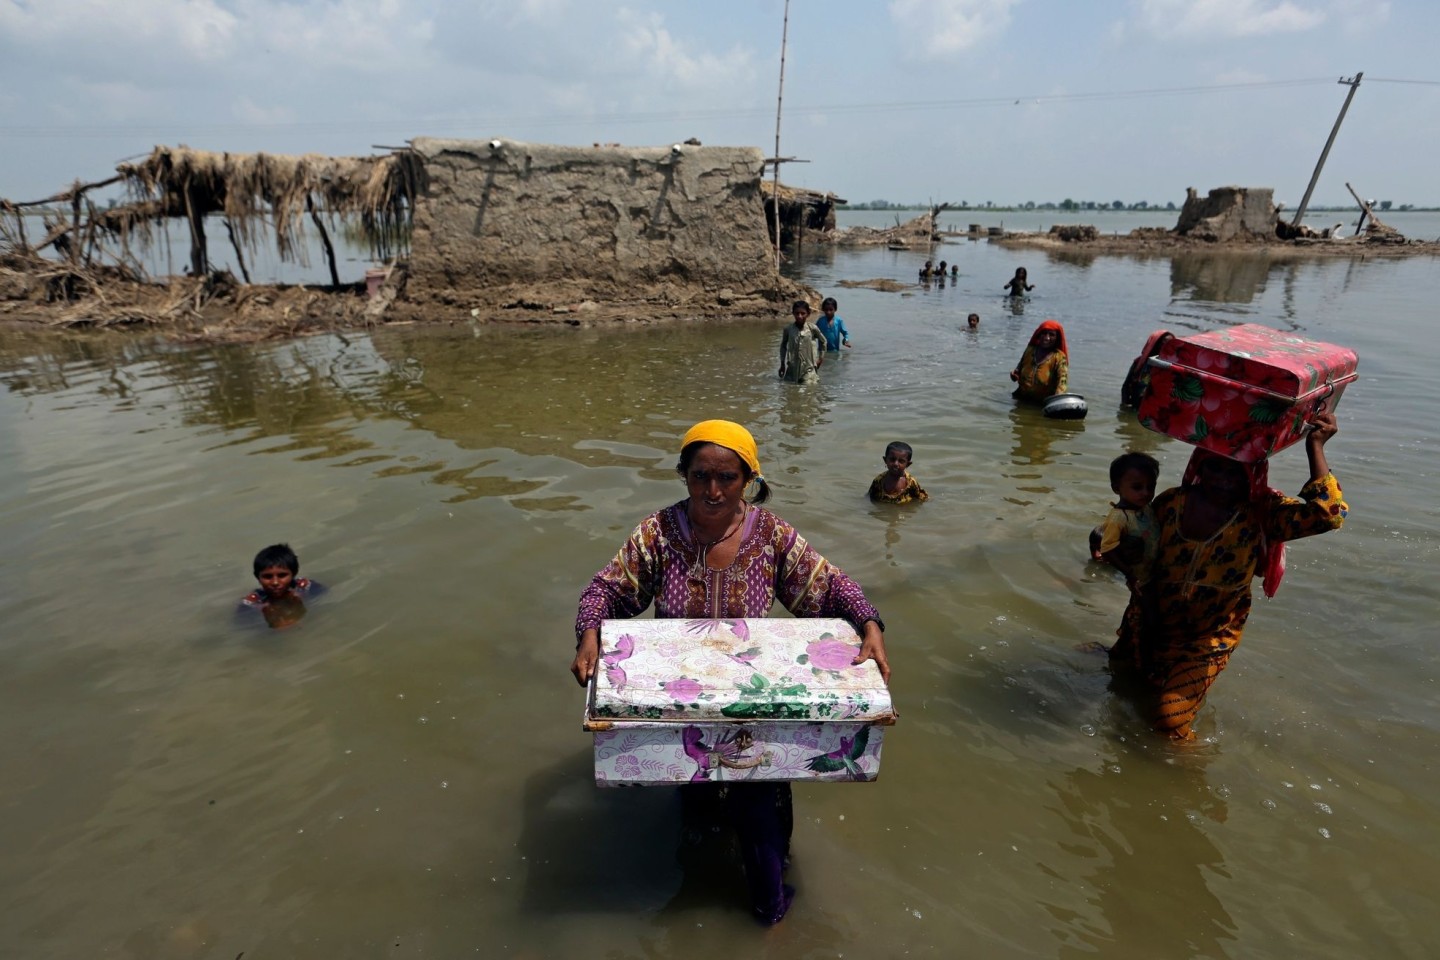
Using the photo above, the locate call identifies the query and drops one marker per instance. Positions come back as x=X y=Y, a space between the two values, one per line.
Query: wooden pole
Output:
x=324 y=240
x=69 y=194
x=1365 y=210
x=1354 y=84
x=199 y=255
x=77 y=193
x=779 y=101
x=20 y=225
x=239 y=257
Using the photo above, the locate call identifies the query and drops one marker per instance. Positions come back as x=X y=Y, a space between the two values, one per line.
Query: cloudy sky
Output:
x=975 y=100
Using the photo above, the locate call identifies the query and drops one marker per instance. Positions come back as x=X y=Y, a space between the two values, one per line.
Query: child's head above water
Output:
x=898 y=456
x=828 y=306
x=1133 y=477
x=275 y=568
x=973 y=320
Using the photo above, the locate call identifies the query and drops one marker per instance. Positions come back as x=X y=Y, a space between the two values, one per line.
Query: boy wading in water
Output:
x=802 y=347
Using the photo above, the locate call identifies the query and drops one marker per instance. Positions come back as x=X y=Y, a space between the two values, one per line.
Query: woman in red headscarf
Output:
x=1217 y=531
x=1044 y=367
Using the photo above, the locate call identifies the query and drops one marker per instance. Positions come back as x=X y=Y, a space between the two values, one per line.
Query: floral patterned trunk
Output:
x=714 y=701
x=1246 y=392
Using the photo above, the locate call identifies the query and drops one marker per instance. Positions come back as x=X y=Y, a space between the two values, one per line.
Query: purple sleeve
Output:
x=810 y=586
x=625 y=586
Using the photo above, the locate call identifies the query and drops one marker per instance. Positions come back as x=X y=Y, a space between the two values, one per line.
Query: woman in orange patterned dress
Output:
x=1214 y=534
x=1044 y=367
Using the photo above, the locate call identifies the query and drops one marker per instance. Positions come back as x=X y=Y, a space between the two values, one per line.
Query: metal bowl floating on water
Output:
x=1066 y=406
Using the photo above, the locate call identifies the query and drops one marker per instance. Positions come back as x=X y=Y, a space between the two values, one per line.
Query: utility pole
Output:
x=1354 y=84
x=779 y=100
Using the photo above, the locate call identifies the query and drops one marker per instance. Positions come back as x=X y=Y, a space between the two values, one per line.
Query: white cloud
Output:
x=1361 y=16
x=357 y=35
x=533 y=11
x=194 y=28
x=938 y=29
x=1190 y=19
x=645 y=38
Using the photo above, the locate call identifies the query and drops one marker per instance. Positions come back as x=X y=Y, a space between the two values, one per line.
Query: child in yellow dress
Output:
x=896 y=485
x=1126 y=536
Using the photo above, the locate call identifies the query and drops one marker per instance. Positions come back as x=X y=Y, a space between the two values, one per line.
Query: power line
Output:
x=1427 y=83
x=94 y=131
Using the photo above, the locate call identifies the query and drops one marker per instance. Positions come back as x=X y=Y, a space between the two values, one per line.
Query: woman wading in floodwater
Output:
x=1216 y=532
x=716 y=554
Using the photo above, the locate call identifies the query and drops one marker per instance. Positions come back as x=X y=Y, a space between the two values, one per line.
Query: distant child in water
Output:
x=955 y=272
x=896 y=485
x=282 y=594
x=832 y=326
x=1018 y=284
x=926 y=271
x=1126 y=537
x=973 y=321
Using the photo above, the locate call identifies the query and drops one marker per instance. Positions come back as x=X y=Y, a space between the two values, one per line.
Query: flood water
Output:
x=403 y=773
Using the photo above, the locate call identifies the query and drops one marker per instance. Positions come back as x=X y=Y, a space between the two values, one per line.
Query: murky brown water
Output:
x=403 y=773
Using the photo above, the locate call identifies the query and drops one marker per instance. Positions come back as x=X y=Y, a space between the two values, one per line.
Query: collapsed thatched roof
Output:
x=798 y=194
x=278 y=190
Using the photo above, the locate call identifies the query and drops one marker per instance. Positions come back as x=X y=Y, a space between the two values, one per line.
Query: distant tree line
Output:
x=1075 y=205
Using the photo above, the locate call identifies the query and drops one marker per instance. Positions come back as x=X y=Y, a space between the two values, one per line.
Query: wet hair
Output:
x=687 y=457
x=900 y=446
x=277 y=555
x=829 y=302
x=973 y=316
x=798 y=304
x=1126 y=462
x=1020 y=272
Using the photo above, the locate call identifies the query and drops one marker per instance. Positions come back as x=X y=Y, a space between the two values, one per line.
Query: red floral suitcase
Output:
x=1245 y=392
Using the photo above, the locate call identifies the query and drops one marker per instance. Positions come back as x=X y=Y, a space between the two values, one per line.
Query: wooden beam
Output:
x=69 y=195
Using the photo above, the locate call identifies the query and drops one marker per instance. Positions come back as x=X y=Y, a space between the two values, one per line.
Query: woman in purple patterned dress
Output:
x=717 y=555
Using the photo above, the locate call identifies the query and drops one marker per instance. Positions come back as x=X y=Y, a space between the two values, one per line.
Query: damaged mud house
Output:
x=495 y=229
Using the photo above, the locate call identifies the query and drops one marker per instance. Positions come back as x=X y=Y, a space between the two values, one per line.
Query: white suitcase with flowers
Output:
x=697 y=701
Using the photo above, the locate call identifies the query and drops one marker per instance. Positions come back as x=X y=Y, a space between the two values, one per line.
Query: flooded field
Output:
x=403 y=773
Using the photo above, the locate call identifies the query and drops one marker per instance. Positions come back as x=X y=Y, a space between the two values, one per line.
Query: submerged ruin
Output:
x=1235 y=218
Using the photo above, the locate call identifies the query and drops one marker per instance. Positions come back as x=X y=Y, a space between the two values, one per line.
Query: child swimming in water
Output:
x=896 y=485
x=1019 y=285
x=282 y=594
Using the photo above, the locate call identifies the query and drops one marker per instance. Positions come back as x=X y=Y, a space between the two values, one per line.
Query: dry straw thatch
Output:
x=259 y=189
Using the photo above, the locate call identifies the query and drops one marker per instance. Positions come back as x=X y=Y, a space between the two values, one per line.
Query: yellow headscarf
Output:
x=726 y=434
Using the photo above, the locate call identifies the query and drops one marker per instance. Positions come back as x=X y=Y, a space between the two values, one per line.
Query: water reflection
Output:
x=1075 y=256
x=1032 y=439
x=598 y=851
x=1152 y=839
x=802 y=407
x=1217 y=277
x=894 y=516
x=1132 y=437
x=509 y=393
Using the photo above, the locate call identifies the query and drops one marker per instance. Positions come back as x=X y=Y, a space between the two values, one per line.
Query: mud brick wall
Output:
x=1229 y=213
x=627 y=223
